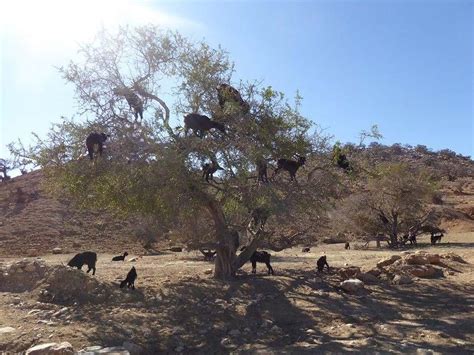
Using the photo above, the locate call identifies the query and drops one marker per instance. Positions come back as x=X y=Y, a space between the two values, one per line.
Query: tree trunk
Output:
x=224 y=265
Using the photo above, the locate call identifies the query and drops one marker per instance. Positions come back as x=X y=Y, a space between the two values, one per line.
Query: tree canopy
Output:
x=151 y=168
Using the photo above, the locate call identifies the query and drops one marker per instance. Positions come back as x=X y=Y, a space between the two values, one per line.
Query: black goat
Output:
x=130 y=279
x=321 y=263
x=94 y=139
x=259 y=217
x=200 y=124
x=120 y=257
x=290 y=165
x=88 y=257
x=261 y=257
x=347 y=246
x=262 y=171
x=133 y=100
x=226 y=93
x=344 y=163
x=436 y=237
x=209 y=169
x=208 y=253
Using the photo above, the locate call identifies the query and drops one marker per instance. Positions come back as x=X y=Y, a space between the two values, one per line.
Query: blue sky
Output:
x=404 y=65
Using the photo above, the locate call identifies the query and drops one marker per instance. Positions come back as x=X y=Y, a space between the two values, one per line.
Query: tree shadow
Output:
x=297 y=311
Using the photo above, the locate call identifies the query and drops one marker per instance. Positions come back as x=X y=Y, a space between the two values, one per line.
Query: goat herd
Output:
x=199 y=124
x=89 y=258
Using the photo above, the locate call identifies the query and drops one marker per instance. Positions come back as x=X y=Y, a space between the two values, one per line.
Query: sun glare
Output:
x=63 y=23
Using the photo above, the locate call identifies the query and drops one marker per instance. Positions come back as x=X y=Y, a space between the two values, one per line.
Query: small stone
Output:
x=352 y=285
x=208 y=271
x=57 y=251
x=234 y=332
x=5 y=330
x=402 y=280
x=179 y=348
x=226 y=342
x=63 y=348
x=133 y=348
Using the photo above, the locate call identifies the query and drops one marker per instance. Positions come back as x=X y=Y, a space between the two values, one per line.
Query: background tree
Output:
x=149 y=168
x=395 y=198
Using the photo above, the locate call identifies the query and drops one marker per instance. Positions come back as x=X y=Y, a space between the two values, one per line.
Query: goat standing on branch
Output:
x=95 y=139
x=133 y=100
x=200 y=124
x=227 y=93
x=209 y=169
x=290 y=165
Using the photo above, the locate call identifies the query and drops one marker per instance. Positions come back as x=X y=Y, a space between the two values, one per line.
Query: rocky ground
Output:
x=418 y=300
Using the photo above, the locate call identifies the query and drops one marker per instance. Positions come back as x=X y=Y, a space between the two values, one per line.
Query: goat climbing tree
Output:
x=150 y=167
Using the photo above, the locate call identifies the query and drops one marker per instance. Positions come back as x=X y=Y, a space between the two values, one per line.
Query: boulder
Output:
x=376 y=272
x=133 y=348
x=63 y=348
x=352 y=285
x=57 y=251
x=402 y=280
x=434 y=259
x=453 y=257
x=368 y=278
x=416 y=259
x=388 y=261
x=424 y=271
x=349 y=272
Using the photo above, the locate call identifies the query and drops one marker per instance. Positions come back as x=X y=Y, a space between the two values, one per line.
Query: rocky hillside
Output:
x=33 y=223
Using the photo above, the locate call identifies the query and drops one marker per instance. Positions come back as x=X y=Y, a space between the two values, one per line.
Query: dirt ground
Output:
x=178 y=307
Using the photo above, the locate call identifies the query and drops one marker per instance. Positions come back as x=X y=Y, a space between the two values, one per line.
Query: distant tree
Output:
x=150 y=168
x=395 y=199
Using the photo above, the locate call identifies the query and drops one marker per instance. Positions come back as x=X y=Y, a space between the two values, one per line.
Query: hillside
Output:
x=33 y=223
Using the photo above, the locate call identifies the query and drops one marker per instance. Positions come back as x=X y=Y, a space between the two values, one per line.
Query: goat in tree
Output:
x=209 y=169
x=262 y=171
x=94 y=139
x=227 y=93
x=133 y=100
x=291 y=166
x=259 y=217
x=200 y=124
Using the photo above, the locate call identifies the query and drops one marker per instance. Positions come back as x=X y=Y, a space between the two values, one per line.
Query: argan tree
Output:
x=151 y=168
x=395 y=200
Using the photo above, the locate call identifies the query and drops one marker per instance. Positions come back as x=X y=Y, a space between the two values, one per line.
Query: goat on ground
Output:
x=291 y=166
x=321 y=263
x=120 y=257
x=226 y=93
x=344 y=163
x=260 y=257
x=94 y=139
x=209 y=169
x=209 y=254
x=88 y=257
x=133 y=100
x=130 y=279
x=436 y=237
x=200 y=124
